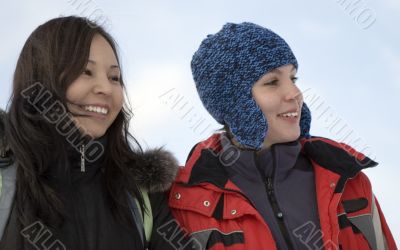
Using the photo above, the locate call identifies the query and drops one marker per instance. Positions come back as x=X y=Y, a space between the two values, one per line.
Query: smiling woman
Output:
x=56 y=193
x=95 y=98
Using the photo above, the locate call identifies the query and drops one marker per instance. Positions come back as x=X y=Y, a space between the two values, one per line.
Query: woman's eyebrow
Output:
x=112 y=66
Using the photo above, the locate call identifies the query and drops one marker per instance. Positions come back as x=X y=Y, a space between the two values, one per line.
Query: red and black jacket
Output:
x=215 y=212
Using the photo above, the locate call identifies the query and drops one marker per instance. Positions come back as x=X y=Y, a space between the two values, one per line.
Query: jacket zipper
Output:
x=269 y=188
x=82 y=151
x=73 y=196
x=277 y=211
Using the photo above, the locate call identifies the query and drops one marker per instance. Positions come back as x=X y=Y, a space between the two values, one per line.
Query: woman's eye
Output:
x=87 y=72
x=294 y=79
x=115 y=78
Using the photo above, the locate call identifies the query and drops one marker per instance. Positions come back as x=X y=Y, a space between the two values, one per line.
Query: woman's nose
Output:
x=102 y=86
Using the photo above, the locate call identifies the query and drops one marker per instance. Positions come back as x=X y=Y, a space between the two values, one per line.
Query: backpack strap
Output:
x=143 y=221
x=148 y=216
x=7 y=193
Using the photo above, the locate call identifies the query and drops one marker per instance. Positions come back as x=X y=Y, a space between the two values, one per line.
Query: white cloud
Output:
x=146 y=87
x=393 y=63
x=393 y=4
x=315 y=30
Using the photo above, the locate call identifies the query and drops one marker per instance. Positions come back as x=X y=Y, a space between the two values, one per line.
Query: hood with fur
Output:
x=155 y=172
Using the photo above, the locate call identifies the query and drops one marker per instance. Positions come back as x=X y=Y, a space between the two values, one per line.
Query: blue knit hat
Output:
x=226 y=66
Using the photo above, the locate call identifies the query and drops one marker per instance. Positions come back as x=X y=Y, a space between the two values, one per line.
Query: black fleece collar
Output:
x=326 y=153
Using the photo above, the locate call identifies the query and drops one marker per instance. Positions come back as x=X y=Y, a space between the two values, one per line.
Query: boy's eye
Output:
x=273 y=82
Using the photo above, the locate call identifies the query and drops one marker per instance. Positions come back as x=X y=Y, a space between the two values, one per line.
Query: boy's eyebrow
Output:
x=112 y=66
x=279 y=71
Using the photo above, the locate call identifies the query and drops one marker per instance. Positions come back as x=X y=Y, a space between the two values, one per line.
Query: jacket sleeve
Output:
x=382 y=232
x=366 y=216
x=166 y=233
x=377 y=232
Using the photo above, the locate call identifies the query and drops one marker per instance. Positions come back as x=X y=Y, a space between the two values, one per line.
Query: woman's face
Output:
x=96 y=97
x=280 y=101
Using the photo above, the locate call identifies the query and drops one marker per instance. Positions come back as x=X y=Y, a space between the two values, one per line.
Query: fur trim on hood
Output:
x=155 y=172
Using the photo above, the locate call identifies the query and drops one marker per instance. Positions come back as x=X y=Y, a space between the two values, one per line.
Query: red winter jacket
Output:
x=215 y=212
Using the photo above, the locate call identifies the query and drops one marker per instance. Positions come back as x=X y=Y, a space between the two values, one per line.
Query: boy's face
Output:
x=281 y=101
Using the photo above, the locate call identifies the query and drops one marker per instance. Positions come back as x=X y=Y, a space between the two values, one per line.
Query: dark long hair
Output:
x=55 y=54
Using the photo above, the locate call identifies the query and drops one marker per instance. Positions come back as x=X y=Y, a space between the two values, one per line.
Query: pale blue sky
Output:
x=349 y=64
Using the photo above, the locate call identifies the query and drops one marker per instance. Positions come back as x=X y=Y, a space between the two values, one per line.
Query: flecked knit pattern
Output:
x=226 y=66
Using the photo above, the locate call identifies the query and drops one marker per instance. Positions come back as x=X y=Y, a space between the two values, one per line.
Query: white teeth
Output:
x=100 y=110
x=292 y=114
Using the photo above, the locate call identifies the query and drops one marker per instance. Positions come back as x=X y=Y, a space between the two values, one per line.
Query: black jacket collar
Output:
x=326 y=153
x=155 y=170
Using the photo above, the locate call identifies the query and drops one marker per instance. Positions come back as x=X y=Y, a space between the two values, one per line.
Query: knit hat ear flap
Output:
x=305 y=121
x=252 y=135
